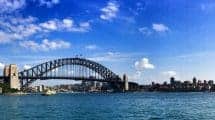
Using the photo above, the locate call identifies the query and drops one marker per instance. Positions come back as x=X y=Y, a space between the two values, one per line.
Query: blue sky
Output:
x=149 y=40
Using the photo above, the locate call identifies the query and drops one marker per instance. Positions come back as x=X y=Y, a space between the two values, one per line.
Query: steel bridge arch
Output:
x=39 y=70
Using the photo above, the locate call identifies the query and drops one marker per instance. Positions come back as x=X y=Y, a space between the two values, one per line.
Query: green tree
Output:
x=6 y=88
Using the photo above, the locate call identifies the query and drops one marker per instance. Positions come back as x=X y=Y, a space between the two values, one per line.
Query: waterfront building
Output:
x=37 y=88
x=98 y=84
x=165 y=83
x=205 y=82
x=84 y=83
x=40 y=88
x=153 y=83
x=179 y=86
x=194 y=81
x=199 y=82
x=210 y=82
x=172 y=81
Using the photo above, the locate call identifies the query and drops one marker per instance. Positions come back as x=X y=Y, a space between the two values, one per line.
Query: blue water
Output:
x=117 y=106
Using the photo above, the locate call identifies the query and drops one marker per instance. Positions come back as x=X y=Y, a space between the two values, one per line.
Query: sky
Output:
x=149 y=40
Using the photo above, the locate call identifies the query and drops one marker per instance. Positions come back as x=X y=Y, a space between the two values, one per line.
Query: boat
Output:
x=49 y=92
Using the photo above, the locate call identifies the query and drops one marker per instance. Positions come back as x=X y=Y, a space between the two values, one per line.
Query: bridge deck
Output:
x=66 y=78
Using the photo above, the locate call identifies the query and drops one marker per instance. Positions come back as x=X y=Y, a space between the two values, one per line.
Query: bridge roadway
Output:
x=66 y=78
x=132 y=85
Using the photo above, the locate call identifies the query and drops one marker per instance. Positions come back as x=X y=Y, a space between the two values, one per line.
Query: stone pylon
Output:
x=125 y=79
x=11 y=71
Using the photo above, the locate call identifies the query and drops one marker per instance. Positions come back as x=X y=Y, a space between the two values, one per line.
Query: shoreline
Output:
x=23 y=93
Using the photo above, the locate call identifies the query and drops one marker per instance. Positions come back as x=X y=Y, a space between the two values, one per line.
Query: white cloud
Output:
x=49 y=3
x=109 y=57
x=26 y=67
x=155 y=28
x=110 y=11
x=13 y=27
x=140 y=66
x=170 y=73
x=2 y=65
x=91 y=47
x=68 y=23
x=83 y=27
x=7 y=37
x=114 y=56
x=18 y=28
x=159 y=27
x=21 y=20
x=8 y=6
x=136 y=76
x=46 y=45
x=50 y=25
x=143 y=64
x=145 y=30
x=65 y=24
x=29 y=30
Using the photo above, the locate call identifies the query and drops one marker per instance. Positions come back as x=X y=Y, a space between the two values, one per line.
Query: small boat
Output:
x=49 y=92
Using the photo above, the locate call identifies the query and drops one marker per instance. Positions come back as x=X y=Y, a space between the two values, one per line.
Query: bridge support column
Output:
x=11 y=71
x=125 y=79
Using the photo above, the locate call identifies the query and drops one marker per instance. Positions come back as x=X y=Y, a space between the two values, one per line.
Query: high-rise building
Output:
x=194 y=80
x=172 y=80
x=41 y=88
x=210 y=82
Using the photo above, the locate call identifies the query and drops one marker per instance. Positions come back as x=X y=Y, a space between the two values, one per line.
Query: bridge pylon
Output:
x=125 y=80
x=11 y=72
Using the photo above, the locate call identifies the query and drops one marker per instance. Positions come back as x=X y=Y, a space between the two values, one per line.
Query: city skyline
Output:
x=148 y=40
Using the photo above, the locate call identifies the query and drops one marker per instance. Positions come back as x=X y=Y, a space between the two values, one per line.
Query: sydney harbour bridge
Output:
x=69 y=69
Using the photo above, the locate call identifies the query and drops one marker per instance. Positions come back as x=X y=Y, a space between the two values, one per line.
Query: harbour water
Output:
x=109 y=106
